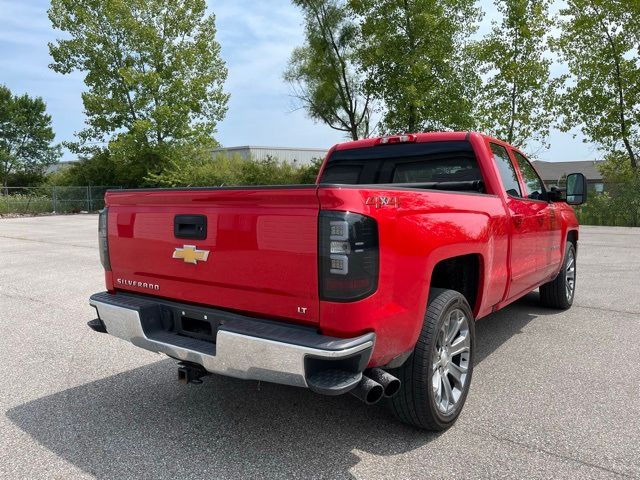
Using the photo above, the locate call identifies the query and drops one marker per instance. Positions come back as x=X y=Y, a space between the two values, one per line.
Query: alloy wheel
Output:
x=451 y=361
x=570 y=276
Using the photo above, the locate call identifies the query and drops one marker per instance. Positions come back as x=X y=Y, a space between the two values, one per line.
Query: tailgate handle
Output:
x=193 y=227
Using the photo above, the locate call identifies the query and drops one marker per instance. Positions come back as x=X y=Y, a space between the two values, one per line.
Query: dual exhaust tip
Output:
x=374 y=385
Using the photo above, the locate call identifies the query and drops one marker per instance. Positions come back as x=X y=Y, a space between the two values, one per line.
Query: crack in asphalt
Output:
x=626 y=234
x=602 y=309
x=608 y=245
x=532 y=448
x=49 y=243
x=31 y=299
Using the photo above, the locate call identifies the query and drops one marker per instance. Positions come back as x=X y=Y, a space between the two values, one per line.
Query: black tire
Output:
x=415 y=403
x=554 y=294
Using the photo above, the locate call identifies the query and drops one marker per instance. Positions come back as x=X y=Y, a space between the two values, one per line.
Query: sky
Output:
x=257 y=37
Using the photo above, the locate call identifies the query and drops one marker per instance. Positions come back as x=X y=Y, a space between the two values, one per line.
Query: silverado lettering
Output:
x=134 y=283
x=368 y=282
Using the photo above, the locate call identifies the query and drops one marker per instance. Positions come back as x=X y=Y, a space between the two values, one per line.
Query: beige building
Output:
x=553 y=173
x=298 y=156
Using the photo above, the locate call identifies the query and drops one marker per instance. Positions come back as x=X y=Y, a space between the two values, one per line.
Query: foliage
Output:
x=26 y=136
x=26 y=178
x=620 y=204
x=417 y=63
x=616 y=168
x=612 y=209
x=229 y=170
x=517 y=97
x=600 y=42
x=113 y=167
x=48 y=199
x=308 y=174
x=153 y=72
x=93 y=170
x=323 y=73
x=25 y=204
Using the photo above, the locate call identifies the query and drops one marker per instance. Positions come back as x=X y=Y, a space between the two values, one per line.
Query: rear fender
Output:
x=417 y=229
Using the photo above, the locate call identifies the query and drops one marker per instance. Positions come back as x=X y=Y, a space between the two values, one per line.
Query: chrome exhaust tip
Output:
x=368 y=391
x=390 y=384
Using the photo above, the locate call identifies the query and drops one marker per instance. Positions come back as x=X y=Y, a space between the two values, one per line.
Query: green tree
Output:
x=600 y=43
x=153 y=71
x=516 y=101
x=26 y=136
x=619 y=205
x=224 y=169
x=415 y=55
x=323 y=74
x=622 y=183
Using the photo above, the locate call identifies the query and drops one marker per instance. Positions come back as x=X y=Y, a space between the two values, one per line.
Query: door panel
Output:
x=554 y=252
x=548 y=252
x=529 y=226
x=529 y=244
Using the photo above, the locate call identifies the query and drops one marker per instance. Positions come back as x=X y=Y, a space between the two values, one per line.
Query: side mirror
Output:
x=576 y=189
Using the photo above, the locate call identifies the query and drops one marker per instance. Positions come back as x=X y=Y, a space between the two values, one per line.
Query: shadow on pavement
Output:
x=143 y=423
x=497 y=328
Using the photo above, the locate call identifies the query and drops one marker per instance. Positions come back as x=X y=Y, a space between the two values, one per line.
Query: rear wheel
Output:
x=436 y=377
x=559 y=292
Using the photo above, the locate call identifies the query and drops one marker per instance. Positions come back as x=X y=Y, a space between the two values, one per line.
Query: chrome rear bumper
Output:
x=244 y=347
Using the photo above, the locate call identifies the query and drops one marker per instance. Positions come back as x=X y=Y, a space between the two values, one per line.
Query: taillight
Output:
x=103 y=241
x=407 y=138
x=348 y=256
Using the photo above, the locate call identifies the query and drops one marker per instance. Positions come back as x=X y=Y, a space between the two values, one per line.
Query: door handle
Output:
x=192 y=227
x=517 y=220
x=540 y=217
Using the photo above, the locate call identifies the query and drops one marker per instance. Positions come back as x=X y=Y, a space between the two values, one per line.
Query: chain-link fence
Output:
x=47 y=199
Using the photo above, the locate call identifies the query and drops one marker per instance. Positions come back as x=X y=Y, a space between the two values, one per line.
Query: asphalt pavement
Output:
x=554 y=394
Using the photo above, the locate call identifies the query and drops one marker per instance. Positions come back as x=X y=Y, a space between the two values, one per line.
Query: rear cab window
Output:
x=442 y=165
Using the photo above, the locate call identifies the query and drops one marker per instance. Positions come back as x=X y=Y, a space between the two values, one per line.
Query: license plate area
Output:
x=201 y=328
x=191 y=322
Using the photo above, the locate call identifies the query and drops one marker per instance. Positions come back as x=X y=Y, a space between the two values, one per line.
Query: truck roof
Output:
x=420 y=137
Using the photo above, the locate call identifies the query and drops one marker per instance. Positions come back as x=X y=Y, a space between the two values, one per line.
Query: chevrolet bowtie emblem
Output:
x=190 y=254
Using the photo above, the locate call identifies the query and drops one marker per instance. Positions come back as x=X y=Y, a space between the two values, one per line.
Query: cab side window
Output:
x=535 y=187
x=507 y=171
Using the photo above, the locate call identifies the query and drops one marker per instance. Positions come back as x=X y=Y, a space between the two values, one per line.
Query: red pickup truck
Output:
x=367 y=282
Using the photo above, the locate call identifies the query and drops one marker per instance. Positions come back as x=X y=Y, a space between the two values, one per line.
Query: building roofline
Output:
x=249 y=147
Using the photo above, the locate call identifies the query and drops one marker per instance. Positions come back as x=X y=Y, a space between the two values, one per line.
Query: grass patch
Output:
x=25 y=204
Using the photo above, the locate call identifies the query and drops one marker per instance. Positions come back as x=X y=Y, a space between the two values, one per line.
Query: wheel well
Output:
x=461 y=274
x=572 y=237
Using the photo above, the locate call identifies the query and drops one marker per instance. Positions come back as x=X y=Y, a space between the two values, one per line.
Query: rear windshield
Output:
x=439 y=165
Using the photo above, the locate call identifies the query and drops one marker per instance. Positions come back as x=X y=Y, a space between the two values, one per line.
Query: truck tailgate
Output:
x=261 y=244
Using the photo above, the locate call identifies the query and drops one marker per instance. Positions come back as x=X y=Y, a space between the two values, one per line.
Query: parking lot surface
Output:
x=554 y=394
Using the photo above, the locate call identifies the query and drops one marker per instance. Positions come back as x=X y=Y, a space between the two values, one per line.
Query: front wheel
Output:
x=559 y=292
x=436 y=377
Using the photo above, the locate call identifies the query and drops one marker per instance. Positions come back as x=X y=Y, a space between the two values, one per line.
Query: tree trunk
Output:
x=512 y=122
x=354 y=132
x=514 y=92
x=412 y=120
x=631 y=153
